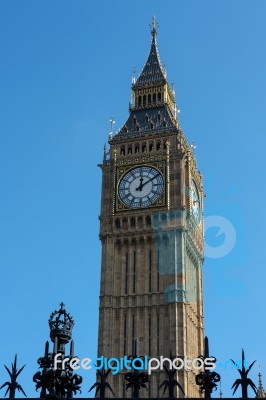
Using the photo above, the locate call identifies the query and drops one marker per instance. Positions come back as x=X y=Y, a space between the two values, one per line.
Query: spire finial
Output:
x=260 y=391
x=154 y=26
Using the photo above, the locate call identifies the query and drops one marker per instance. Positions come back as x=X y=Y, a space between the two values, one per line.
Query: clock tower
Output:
x=151 y=230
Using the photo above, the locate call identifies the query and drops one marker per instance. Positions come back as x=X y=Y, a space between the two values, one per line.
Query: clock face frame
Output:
x=195 y=200
x=140 y=187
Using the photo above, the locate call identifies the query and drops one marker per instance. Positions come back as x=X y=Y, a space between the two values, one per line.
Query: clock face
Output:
x=195 y=202
x=141 y=187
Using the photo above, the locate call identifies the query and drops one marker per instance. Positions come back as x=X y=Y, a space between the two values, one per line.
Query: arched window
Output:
x=148 y=220
x=154 y=98
x=158 y=145
x=159 y=117
x=122 y=151
x=151 y=146
x=139 y=101
x=117 y=224
x=149 y=99
x=132 y=222
x=143 y=148
x=137 y=148
x=164 y=218
x=134 y=120
x=159 y=96
x=129 y=150
x=144 y=99
x=147 y=118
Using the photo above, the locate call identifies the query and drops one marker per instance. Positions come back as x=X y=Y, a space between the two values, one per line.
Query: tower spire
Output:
x=152 y=105
x=152 y=72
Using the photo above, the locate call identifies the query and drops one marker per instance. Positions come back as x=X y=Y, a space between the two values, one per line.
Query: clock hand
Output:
x=149 y=180
x=140 y=185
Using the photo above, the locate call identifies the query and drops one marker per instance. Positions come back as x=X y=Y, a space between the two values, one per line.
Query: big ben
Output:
x=151 y=230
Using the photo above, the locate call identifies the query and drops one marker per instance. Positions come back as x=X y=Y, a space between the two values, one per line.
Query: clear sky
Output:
x=65 y=68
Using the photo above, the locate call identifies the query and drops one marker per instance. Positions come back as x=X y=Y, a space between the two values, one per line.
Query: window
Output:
x=126 y=273
x=125 y=335
x=149 y=333
x=164 y=217
x=134 y=271
x=158 y=269
x=133 y=336
x=150 y=270
x=158 y=145
x=148 y=220
x=132 y=222
x=158 y=334
x=151 y=147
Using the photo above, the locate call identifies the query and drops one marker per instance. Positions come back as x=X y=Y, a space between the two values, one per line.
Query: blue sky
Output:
x=65 y=68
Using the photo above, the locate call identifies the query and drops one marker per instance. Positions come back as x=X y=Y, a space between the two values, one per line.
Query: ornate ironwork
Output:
x=102 y=384
x=13 y=385
x=136 y=380
x=244 y=381
x=207 y=380
x=57 y=378
x=61 y=325
x=171 y=383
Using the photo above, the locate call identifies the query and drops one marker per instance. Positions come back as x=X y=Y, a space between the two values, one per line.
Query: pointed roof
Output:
x=153 y=121
x=153 y=71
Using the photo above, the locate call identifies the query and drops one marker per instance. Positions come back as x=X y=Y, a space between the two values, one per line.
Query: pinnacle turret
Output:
x=260 y=391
